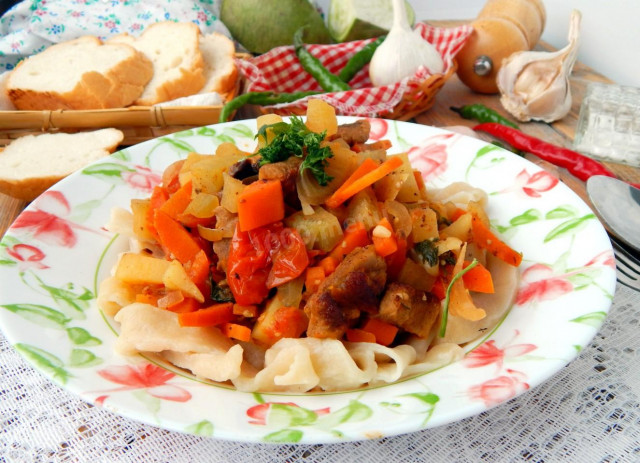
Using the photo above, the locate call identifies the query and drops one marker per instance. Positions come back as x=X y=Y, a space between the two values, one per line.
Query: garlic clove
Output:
x=534 y=85
x=403 y=52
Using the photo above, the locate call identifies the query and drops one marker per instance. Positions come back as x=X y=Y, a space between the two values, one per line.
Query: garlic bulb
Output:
x=534 y=85
x=402 y=52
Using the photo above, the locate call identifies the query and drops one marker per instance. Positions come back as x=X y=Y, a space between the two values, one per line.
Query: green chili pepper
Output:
x=360 y=59
x=262 y=99
x=328 y=81
x=481 y=113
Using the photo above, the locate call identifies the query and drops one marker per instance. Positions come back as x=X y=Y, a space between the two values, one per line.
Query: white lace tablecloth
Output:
x=588 y=412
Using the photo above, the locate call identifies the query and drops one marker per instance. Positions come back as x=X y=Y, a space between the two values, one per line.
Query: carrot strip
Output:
x=158 y=197
x=175 y=238
x=235 y=331
x=260 y=203
x=384 y=245
x=456 y=214
x=314 y=277
x=355 y=236
x=328 y=264
x=486 y=239
x=438 y=289
x=419 y=180
x=368 y=165
x=189 y=304
x=396 y=260
x=289 y=322
x=388 y=166
x=384 y=332
x=478 y=279
x=358 y=335
x=178 y=202
x=216 y=314
x=198 y=268
x=151 y=299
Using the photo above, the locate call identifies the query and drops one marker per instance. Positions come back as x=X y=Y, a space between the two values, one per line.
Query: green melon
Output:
x=260 y=26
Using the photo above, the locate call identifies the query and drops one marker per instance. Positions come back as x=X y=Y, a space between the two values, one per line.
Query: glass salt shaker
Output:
x=609 y=124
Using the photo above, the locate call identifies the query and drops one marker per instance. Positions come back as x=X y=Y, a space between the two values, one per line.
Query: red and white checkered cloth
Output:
x=280 y=71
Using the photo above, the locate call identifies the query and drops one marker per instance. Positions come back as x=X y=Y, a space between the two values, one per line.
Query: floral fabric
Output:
x=32 y=25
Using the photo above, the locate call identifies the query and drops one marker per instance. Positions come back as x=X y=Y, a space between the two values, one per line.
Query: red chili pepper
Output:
x=579 y=165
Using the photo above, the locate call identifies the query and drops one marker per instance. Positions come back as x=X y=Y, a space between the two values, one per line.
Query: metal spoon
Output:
x=618 y=205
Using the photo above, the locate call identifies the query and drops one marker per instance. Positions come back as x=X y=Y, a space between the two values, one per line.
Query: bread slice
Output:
x=219 y=64
x=174 y=50
x=82 y=73
x=5 y=102
x=31 y=164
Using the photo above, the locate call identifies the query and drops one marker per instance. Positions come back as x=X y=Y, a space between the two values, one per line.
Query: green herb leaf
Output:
x=316 y=159
x=295 y=139
x=221 y=293
x=427 y=251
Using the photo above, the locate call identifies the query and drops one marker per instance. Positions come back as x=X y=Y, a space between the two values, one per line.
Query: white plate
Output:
x=57 y=252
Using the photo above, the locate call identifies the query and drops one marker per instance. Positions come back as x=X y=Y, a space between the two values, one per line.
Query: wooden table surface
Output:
x=454 y=93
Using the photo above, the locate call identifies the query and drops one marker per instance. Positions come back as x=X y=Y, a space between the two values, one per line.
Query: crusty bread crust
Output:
x=115 y=88
x=31 y=186
x=221 y=71
x=190 y=67
x=28 y=189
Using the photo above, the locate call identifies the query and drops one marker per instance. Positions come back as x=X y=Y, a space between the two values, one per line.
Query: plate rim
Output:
x=400 y=427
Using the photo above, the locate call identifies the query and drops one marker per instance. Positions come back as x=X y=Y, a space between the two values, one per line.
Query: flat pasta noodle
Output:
x=458 y=193
x=146 y=328
x=121 y=221
x=113 y=295
x=387 y=363
x=505 y=282
x=436 y=357
x=217 y=366
x=299 y=365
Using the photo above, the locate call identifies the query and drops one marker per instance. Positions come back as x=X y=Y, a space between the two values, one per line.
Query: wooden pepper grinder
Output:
x=501 y=28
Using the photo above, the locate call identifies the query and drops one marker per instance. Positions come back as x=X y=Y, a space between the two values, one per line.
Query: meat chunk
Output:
x=286 y=172
x=410 y=309
x=355 y=132
x=226 y=221
x=355 y=285
x=245 y=168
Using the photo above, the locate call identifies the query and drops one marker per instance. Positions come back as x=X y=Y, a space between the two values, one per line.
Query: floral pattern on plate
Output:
x=56 y=253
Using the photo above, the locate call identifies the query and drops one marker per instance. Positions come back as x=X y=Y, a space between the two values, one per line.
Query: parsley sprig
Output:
x=295 y=139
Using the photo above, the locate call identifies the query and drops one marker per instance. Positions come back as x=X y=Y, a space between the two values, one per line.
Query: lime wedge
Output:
x=362 y=19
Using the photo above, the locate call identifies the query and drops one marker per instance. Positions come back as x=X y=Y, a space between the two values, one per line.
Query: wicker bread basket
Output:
x=138 y=123
x=412 y=103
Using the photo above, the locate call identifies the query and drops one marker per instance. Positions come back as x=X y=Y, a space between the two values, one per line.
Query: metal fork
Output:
x=627 y=265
